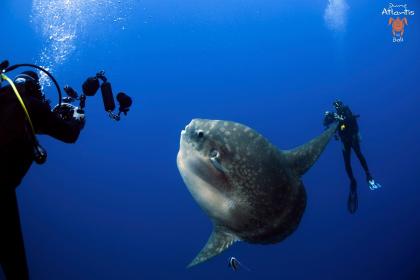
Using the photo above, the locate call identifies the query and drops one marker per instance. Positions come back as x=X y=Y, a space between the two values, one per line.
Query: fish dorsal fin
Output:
x=219 y=241
x=300 y=159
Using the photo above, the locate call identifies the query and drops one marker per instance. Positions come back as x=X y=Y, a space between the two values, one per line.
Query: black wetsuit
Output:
x=16 y=156
x=348 y=130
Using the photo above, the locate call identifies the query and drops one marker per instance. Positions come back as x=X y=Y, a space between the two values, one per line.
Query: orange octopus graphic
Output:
x=398 y=25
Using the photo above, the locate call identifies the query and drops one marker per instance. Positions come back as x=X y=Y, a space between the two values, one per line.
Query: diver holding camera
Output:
x=348 y=133
x=25 y=112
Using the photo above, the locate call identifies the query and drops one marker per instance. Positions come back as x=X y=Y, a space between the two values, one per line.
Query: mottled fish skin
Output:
x=254 y=192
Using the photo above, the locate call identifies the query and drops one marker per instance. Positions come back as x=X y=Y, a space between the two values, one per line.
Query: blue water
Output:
x=113 y=205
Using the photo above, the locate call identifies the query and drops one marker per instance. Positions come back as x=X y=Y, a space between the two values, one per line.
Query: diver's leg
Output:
x=363 y=162
x=12 y=256
x=352 y=202
x=347 y=162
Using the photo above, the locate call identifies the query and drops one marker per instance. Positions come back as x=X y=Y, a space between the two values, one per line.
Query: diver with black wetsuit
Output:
x=348 y=132
x=18 y=149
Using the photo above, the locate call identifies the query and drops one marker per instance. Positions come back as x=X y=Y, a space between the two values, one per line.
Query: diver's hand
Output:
x=328 y=119
x=79 y=116
x=338 y=117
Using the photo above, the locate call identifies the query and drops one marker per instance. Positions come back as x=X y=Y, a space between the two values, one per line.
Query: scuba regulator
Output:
x=39 y=153
x=66 y=110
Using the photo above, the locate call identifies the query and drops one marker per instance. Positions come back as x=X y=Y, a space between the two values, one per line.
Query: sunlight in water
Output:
x=335 y=15
x=63 y=23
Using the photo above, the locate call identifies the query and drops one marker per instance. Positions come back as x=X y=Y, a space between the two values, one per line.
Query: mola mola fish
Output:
x=251 y=191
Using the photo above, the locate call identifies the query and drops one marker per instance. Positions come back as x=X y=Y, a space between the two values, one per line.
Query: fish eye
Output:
x=200 y=133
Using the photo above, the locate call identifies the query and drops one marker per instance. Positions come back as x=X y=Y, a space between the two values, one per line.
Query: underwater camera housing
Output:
x=64 y=108
x=90 y=87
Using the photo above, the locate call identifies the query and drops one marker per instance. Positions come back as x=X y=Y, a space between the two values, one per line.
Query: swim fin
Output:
x=373 y=185
x=353 y=202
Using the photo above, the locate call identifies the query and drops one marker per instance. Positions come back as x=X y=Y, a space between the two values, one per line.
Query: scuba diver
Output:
x=348 y=132
x=18 y=149
x=24 y=113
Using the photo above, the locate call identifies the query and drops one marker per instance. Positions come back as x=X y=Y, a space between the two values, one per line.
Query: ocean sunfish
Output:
x=251 y=191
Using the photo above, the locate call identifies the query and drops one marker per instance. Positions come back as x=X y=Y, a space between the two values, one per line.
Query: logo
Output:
x=398 y=15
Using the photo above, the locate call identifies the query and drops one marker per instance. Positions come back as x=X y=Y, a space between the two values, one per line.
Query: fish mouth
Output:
x=186 y=136
x=185 y=129
x=183 y=141
x=189 y=126
x=185 y=145
x=190 y=142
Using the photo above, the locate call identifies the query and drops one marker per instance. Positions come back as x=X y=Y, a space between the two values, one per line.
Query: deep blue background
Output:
x=113 y=206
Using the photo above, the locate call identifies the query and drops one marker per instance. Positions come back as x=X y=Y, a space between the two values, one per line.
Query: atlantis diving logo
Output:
x=398 y=14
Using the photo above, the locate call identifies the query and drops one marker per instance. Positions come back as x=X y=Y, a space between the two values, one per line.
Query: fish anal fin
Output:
x=300 y=159
x=219 y=241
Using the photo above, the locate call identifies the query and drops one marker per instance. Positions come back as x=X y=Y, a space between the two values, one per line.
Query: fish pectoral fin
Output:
x=217 y=243
x=217 y=165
